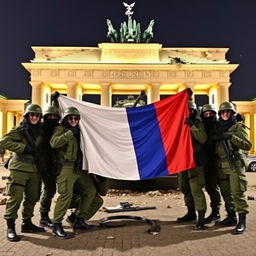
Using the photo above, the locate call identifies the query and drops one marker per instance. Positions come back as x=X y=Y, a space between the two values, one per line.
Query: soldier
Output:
x=208 y=115
x=51 y=119
x=101 y=185
x=231 y=141
x=25 y=178
x=66 y=139
x=192 y=181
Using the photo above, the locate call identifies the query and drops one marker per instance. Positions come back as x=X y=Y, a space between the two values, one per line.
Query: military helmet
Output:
x=227 y=106
x=33 y=108
x=52 y=110
x=71 y=111
x=192 y=105
x=208 y=107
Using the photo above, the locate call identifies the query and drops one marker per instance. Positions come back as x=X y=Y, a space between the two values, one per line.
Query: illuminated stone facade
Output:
x=11 y=113
x=113 y=68
x=128 y=68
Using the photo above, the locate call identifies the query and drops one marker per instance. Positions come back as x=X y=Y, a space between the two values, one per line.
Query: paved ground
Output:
x=133 y=239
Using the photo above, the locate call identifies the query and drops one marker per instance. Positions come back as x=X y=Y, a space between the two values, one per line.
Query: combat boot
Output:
x=200 y=221
x=79 y=224
x=28 y=227
x=230 y=220
x=11 y=233
x=45 y=221
x=240 y=227
x=214 y=216
x=59 y=232
x=189 y=216
x=71 y=218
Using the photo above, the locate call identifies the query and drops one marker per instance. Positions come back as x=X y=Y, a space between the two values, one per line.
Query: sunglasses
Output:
x=35 y=114
x=76 y=118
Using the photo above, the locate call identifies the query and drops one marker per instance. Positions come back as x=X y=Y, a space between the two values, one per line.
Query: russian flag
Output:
x=135 y=143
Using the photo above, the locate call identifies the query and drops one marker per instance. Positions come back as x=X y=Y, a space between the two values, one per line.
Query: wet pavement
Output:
x=132 y=238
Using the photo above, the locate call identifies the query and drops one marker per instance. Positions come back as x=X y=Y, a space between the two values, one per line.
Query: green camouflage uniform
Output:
x=67 y=145
x=191 y=182
x=24 y=180
x=231 y=176
x=101 y=186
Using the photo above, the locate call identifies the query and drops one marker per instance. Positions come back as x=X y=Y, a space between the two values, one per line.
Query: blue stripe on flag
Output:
x=147 y=141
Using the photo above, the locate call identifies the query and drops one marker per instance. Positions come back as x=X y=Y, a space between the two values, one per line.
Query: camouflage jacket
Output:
x=16 y=142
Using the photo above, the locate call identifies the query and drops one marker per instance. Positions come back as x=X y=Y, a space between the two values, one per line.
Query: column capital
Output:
x=35 y=83
x=224 y=84
x=104 y=85
x=189 y=84
x=71 y=83
x=155 y=84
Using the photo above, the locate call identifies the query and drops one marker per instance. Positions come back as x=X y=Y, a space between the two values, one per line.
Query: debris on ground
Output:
x=151 y=193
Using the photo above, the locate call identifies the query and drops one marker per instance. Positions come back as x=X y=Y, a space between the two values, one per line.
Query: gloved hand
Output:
x=189 y=122
x=30 y=149
x=221 y=136
x=190 y=92
x=75 y=130
x=226 y=136
x=240 y=118
x=55 y=96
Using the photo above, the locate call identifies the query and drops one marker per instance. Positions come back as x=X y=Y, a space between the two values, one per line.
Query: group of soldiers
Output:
x=220 y=144
x=46 y=157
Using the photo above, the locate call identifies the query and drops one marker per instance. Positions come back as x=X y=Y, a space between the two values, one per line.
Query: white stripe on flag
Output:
x=106 y=140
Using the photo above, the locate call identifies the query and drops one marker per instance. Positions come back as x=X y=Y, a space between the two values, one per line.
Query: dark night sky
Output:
x=178 y=23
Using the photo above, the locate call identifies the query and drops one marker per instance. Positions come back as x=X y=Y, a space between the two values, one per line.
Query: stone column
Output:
x=4 y=125
x=154 y=92
x=213 y=96
x=191 y=86
x=36 y=93
x=223 y=92
x=105 y=98
x=79 y=92
x=10 y=120
x=71 y=89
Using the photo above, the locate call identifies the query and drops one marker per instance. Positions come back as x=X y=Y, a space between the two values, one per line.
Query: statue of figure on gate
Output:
x=112 y=33
x=148 y=33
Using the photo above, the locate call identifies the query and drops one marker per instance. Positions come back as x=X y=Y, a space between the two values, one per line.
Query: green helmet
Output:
x=208 y=107
x=33 y=108
x=52 y=110
x=71 y=111
x=192 y=105
x=227 y=106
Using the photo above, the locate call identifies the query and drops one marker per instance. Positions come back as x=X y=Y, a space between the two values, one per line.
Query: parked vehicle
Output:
x=251 y=163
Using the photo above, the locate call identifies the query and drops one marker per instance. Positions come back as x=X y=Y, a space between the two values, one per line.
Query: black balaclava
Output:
x=50 y=123
x=209 y=120
x=224 y=125
x=34 y=130
x=193 y=115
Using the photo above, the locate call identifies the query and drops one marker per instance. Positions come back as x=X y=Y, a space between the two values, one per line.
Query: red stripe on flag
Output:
x=171 y=114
